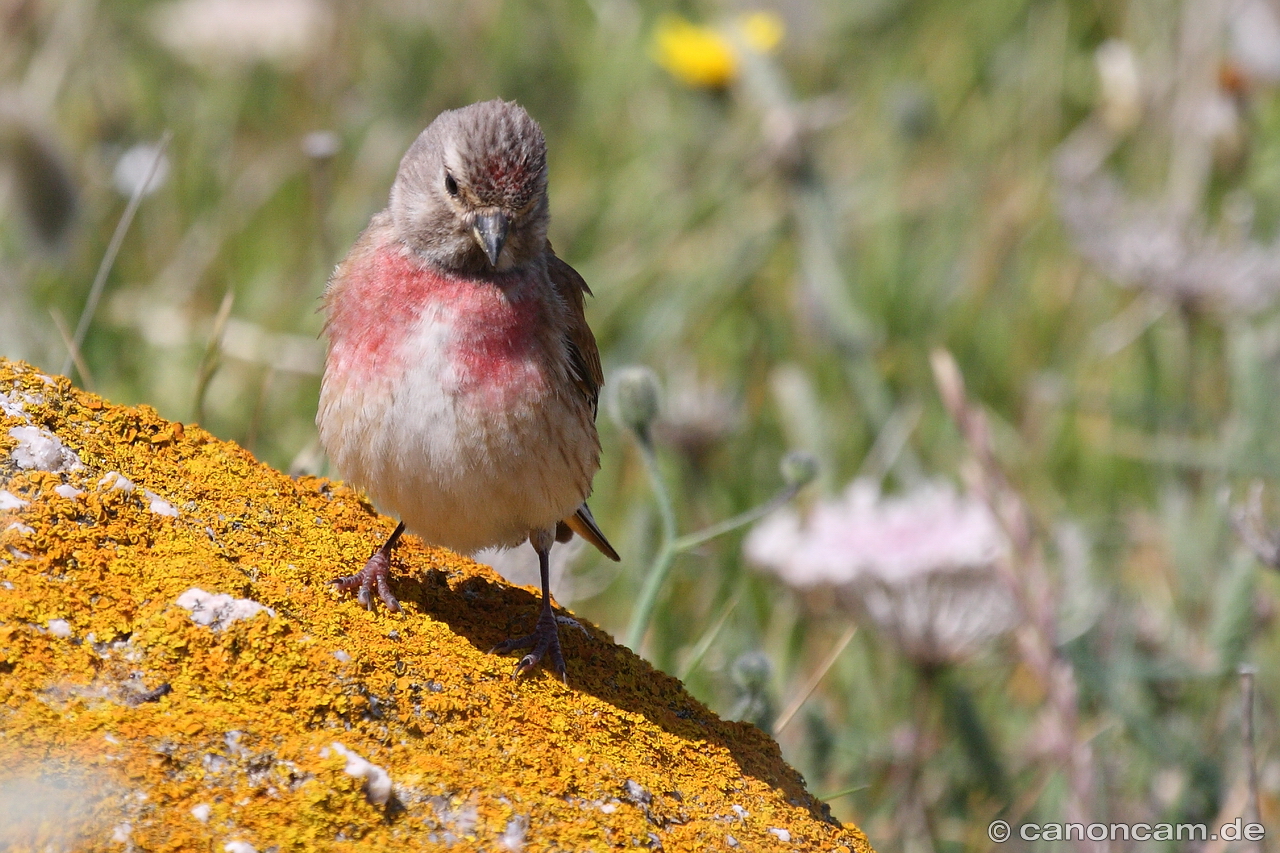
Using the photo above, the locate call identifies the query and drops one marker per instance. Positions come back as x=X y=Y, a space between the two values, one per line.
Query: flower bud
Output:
x=752 y=671
x=635 y=399
x=799 y=468
x=321 y=145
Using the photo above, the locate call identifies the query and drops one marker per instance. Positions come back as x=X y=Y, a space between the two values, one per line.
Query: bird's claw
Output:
x=373 y=576
x=544 y=644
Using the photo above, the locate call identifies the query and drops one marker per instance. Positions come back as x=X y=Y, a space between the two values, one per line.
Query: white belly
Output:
x=464 y=463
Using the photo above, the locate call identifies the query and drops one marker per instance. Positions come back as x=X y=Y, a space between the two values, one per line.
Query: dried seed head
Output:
x=635 y=399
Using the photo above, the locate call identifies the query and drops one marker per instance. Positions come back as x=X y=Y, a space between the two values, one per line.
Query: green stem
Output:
x=649 y=597
x=704 y=644
x=693 y=540
x=666 y=511
x=665 y=557
x=672 y=546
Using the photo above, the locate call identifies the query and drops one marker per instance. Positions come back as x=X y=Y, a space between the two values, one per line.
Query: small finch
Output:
x=461 y=383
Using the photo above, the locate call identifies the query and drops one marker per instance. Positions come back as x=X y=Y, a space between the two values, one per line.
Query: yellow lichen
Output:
x=98 y=756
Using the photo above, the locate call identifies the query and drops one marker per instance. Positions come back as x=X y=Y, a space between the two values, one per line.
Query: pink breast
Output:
x=492 y=340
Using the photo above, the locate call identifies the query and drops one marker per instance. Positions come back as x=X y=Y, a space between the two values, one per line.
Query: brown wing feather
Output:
x=588 y=376
x=584 y=524
x=584 y=355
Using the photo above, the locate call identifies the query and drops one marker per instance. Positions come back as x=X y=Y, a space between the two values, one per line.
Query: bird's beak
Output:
x=491 y=232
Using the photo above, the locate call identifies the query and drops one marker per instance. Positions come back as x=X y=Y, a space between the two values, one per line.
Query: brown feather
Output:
x=588 y=377
x=583 y=524
x=584 y=355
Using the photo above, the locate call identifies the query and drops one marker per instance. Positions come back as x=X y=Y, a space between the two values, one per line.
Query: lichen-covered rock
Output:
x=176 y=674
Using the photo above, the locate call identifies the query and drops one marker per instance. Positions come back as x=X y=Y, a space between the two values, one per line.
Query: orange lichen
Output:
x=95 y=754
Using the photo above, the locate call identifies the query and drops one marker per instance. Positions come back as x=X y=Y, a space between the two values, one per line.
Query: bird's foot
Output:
x=544 y=643
x=573 y=623
x=373 y=576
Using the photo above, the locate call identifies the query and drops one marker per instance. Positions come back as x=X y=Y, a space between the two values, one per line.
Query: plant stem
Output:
x=109 y=258
x=742 y=519
x=814 y=680
x=662 y=562
x=704 y=644
x=672 y=546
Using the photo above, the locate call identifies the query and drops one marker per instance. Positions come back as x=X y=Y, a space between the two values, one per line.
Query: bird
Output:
x=461 y=380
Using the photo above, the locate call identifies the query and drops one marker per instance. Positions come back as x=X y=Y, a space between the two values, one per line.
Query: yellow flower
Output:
x=697 y=56
x=703 y=56
x=762 y=31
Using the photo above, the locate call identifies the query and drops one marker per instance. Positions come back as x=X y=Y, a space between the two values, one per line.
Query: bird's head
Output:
x=471 y=193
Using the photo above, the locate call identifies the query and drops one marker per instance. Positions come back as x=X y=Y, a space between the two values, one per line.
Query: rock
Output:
x=210 y=723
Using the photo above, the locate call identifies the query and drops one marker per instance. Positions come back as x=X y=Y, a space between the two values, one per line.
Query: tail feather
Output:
x=584 y=524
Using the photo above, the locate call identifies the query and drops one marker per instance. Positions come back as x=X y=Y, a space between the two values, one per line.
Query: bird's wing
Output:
x=584 y=524
x=584 y=355
x=588 y=377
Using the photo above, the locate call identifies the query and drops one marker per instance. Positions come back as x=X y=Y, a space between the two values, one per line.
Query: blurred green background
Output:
x=1076 y=199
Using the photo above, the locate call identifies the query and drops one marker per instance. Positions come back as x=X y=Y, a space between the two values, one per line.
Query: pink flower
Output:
x=922 y=567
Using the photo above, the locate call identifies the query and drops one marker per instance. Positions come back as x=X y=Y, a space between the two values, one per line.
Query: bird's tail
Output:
x=584 y=524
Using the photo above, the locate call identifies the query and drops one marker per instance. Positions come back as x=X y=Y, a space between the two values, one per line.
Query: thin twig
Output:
x=1253 y=811
x=893 y=437
x=843 y=792
x=113 y=248
x=1028 y=578
x=259 y=409
x=60 y=323
x=209 y=364
x=814 y=680
x=703 y=645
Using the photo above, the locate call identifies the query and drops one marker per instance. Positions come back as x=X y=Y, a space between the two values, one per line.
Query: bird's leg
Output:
x=374 y=575
x=544 y=642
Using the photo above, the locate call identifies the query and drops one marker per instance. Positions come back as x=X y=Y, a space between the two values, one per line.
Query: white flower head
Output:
x=1156 y=248
x=697 y=413
x=144 y=162
x=218 y=33
x=922 y=567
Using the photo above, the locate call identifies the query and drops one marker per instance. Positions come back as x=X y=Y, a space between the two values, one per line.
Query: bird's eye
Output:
x=450 y=185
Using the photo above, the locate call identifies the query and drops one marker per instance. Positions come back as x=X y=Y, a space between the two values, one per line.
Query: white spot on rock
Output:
x=42 y=450
x=68 y=491
x=781 y=834
x=201 y=812
x=116 y=480
x=239 y=847
x=121 y=834
x=60 y=628
x=512 y=837
x=160 y=506
x=377 y=782
x=11 y=407
x=8 y=500
x=218 y=610
x=23 y=530
x=342 y=656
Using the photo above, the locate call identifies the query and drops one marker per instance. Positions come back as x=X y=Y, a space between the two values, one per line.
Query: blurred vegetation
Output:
x=784 y=250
